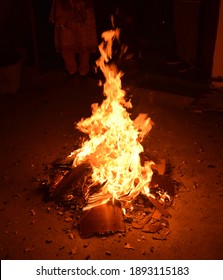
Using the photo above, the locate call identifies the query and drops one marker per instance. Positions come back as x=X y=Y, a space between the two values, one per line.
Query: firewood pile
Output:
x=69 y=188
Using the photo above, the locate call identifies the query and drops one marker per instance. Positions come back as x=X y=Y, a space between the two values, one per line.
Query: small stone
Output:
x=71 y=236
x=108 y=253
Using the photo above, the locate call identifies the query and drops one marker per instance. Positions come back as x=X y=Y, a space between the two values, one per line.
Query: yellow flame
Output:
x=114 y=148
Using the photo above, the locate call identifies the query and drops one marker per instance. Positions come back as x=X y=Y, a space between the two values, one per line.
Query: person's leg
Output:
x=70 y=62
x=84 y=65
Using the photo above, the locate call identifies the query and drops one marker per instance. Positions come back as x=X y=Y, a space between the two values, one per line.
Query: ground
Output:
x=37 y=127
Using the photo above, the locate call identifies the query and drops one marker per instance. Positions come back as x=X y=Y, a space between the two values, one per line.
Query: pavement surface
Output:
x=37 y=127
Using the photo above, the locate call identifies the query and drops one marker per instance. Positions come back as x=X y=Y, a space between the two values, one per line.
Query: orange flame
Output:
x=113 y=149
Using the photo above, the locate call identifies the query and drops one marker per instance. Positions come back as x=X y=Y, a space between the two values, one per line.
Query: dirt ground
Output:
x=37 y=127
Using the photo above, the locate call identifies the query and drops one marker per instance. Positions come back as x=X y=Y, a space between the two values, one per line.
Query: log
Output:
x=159 y=207
x=69 y=179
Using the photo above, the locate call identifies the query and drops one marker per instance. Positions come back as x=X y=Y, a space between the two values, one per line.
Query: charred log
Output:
x=68 y=180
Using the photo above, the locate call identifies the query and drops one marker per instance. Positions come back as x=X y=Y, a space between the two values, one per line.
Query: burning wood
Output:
x=112 y=153
x=113 y=149
x=159 y=207
x=68 y=180
x=144 y=213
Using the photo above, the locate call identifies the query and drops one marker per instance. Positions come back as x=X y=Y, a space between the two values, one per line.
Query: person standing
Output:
x=75 y=34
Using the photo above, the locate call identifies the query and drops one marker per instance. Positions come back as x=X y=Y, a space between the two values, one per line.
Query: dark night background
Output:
x=39 y=107
x=147 y=28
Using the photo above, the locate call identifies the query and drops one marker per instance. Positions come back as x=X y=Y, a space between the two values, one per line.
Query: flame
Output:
x=113 y=149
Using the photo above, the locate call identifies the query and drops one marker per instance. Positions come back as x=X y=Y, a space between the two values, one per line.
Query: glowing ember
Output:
x=113 y=149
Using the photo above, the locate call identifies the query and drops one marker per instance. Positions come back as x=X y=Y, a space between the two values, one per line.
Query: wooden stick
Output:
x=159 y=207
x=69 y=179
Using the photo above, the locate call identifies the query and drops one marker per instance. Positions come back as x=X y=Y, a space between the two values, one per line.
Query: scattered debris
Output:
x=48 y=241
x=164 y=223
x=17 y=195
x=28 y=250
x=73 y=251
x=159 y=237
x=128 y=246
x=152 y=228
x=61 y=248
x=156 y=215
x=167 y=232
x=32 y=212
x=68 y=219
x=139 y=224
x=70 y=235
x=149 y=214
x=159 y=207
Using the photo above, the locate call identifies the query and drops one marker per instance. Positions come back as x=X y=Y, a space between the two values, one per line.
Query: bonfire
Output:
x=114 y=140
